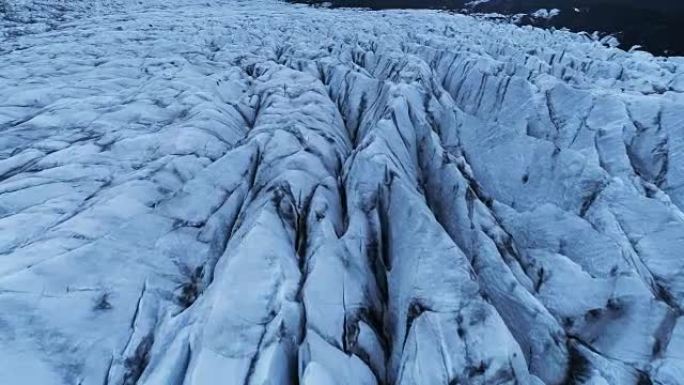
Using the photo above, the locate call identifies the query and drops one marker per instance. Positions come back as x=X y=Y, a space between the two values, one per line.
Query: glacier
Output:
x=257 y=192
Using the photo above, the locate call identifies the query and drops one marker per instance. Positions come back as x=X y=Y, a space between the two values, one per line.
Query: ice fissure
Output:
x=262 y=193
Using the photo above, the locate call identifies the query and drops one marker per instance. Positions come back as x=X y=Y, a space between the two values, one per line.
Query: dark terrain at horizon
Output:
x=656 y=25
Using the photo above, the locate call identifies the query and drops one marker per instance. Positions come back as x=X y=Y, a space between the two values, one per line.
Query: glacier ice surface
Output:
x=255 y=192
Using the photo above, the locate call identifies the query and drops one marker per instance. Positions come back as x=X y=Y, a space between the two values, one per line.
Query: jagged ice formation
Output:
x=259 y=193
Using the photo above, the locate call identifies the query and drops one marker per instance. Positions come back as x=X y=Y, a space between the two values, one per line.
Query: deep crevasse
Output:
x=256 y=192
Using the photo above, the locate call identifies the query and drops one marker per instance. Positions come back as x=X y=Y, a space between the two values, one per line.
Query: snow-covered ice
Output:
x=255 y=192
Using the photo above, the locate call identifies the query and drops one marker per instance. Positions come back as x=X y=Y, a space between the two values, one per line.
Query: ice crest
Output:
x=255 y=192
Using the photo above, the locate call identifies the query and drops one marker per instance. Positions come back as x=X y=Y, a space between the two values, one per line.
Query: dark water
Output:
x=656 y=25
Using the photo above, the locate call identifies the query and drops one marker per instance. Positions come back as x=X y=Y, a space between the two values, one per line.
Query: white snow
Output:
x=255 y=192
x=544 y=13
